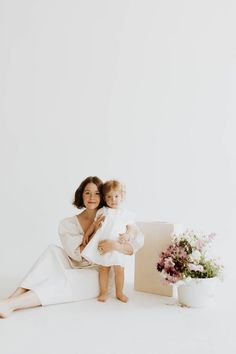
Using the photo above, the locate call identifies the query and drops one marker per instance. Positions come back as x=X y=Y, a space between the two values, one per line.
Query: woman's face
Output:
x=91 y=196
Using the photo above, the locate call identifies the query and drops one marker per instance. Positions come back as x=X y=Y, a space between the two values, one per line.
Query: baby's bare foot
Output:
x=102 y=297
x=5 y=309
x=122 y=297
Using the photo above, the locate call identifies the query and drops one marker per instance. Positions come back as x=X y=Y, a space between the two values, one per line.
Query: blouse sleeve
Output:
x=71 y=238
x=137 y=238
x=100 y=212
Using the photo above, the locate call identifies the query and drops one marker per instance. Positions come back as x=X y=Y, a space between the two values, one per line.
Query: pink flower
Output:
x=181 y=253
x=196 y=267
x=168 y=262
x=211 y=236
x=171 y=279
x=199 y=244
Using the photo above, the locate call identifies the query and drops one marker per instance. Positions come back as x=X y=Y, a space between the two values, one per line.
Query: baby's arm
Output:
x=128 y=233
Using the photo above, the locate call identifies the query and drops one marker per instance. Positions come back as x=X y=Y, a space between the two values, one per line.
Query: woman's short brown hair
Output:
x=78 y=198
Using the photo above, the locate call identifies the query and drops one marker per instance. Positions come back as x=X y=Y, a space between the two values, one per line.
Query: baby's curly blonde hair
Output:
x=113 y=185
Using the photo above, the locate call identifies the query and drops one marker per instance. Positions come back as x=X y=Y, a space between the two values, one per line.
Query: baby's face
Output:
x=113 y=199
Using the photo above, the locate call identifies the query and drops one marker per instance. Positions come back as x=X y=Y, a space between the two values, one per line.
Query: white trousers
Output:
x=54 y=280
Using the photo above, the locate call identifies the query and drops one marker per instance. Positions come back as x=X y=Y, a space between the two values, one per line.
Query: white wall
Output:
x=143 y=91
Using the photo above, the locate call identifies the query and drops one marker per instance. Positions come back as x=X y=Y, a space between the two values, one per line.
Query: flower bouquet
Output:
x=187 y=257
x=186 y=263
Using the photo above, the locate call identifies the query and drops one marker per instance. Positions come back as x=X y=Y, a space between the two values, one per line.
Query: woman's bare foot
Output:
x=102 y=297
x=5 y=309
x=122 y=297
x=17 y=292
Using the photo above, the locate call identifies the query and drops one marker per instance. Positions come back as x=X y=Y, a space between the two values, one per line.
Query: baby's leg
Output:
x=119 y=278
x=103 y=282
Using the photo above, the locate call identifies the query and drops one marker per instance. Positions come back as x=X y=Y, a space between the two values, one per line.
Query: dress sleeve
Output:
x=130 y=218
x=137 y=238
x=71 y=238
x=100 y=212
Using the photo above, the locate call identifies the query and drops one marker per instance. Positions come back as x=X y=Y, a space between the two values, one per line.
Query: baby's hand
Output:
x=123 y=238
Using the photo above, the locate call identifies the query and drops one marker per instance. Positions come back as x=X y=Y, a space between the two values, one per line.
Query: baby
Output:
x=117 y=221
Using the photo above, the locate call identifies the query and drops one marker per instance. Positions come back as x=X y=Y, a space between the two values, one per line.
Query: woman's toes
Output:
x=122 y=297
x=5 y=310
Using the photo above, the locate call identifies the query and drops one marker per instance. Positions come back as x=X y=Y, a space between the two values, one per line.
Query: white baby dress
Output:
x=114 y=224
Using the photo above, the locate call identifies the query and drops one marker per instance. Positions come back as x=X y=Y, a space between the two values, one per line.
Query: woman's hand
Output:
x=121 y=245
x=107 y=246
x=85 y=240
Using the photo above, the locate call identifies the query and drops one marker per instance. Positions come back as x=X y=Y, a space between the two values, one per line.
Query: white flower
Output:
x=195 y=256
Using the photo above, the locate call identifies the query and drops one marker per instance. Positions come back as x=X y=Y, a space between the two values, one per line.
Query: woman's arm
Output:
x=93 y=228
x=111 y=245
x=136 y=240
x=71 y=238
x=88 y=233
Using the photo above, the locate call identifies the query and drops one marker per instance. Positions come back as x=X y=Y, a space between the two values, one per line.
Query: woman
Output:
x=60 y=274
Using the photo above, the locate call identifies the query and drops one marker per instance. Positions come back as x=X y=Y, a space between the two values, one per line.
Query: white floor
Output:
x=146 y=324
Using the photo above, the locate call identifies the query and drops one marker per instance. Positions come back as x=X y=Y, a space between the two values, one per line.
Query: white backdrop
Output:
x=142 y=91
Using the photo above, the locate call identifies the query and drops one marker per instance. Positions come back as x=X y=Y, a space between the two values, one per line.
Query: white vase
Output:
x=197 y=292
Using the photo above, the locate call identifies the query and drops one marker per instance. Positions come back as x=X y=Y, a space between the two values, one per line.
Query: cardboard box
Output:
x=157 y=236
